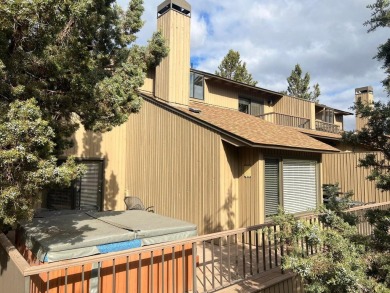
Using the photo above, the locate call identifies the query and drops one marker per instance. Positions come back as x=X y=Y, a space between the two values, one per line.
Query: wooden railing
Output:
x=327 y=127
x=286 y=120
x=201 y=264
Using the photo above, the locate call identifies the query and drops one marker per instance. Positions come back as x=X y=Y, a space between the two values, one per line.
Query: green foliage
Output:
x=380 y=17
x=338 y=204
x=298 y=86
x=375 y=135
x=233 y=68
x=61 y=62
x=380 y=220
x=26 y=161
x=346 y=261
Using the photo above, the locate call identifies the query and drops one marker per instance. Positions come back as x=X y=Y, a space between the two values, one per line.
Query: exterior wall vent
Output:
x=194 y=110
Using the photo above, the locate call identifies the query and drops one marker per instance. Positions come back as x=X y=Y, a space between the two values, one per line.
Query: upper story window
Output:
x=196 y=86
x=326 y=115
x=249 y=106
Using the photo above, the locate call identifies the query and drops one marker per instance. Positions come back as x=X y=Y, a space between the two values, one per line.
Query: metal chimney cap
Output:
x=366 y=89
x=181 y=6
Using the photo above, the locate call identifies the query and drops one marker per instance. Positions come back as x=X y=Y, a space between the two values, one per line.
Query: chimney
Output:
x=366 y=95
x=173 y=73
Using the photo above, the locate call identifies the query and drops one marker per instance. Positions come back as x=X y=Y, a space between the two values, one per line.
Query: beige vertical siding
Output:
x=250 y=189
x=173 y=74
x=225 y=95
x=149 y=82
x=111 y=147
x=365 y=98
x=174 y=165
x=294 y=107
x=343 y=169
x=229 y=211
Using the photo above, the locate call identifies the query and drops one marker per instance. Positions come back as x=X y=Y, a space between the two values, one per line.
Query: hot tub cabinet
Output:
x=63 y=243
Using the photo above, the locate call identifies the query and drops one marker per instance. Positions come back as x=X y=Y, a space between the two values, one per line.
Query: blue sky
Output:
x=327 y=38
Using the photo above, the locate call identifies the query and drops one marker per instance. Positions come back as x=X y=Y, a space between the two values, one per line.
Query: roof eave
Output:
x=238 y=141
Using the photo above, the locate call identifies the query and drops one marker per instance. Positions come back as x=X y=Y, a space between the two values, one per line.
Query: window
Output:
x=196 y=86
x=249 y=106
x=85 y=192
x=244 y=105
x=328 y=116
x=291 y=184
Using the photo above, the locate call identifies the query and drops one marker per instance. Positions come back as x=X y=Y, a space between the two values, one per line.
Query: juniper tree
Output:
x=375 y=135
x=233 y=68
x=299 y=86
x=63 y=63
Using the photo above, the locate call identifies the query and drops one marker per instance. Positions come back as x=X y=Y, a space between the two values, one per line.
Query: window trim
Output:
x=281 y=183
x=192 y=85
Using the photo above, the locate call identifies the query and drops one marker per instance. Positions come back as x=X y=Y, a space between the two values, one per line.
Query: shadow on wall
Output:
x=92 y=149
x=226 y=212
x=111 y=190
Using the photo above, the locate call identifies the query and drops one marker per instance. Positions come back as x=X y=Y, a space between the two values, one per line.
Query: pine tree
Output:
x=380 y=17
x=233 y=68
x=62 y=63
x=299 y=87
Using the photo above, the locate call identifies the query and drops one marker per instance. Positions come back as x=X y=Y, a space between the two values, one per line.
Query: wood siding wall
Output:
x=174 y=165
x=366 y=98
x=173 y=74
x=343 y=169
x=111 y=147
x=149 y=82
x=224 y=95
x=251 y=189
x=295 y=107
x=229 y=205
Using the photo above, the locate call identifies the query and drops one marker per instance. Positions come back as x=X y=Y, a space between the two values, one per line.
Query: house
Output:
x=205 y=149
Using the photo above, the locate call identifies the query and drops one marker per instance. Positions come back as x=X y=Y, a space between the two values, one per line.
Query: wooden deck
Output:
x=221 y=265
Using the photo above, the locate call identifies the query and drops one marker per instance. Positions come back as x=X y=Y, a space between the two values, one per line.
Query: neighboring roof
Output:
x=250 y=130
x=236 y=83
x=337 y=111
x=258 y=89
x=319 y=134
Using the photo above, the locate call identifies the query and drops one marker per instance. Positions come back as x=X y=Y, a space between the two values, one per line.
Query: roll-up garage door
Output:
x=299 y=185
x=271 y=186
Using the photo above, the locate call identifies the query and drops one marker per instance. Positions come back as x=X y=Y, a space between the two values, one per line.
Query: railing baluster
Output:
x=48 y=282
x=99 y=283
x=127 y=273
x=139 y=273
x=228 y=267
x=183 y=267
x=82 y=279
x=204 y=266
x=250 y=253
x=263 y=248
x=173 y=270
x=151 y=271
x=220 y=261
x=194 y=268
x=276 y=247
x=163 y=269
x=113 y=276
x=257 y=250
x=66 y=280
x=212 y=264
x=269 y=248
x=243 y=254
